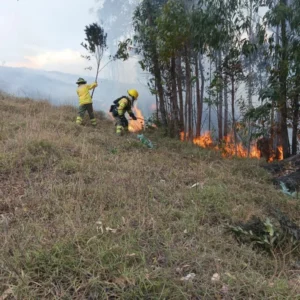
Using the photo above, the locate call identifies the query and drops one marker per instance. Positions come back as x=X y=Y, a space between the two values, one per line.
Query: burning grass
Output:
x=87 y=215
x=139 y=124
x=229 y=148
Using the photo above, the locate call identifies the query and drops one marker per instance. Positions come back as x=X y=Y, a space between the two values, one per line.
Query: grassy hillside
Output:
x=87 y=215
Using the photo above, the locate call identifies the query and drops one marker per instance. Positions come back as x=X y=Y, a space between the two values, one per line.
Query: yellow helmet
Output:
x=133 y=93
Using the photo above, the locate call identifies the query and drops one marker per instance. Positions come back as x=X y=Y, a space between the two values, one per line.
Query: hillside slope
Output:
x=87 y=215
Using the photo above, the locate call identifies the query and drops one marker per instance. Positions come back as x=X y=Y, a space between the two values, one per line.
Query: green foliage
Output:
x=96 y=44
x=259 y=113
x=264 y=235
x=248 y=48
x=95 y=39
x=122 y=52
x=174 y=29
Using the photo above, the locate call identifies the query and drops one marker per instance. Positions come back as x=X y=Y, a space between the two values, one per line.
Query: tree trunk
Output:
x=276 y=141
x=250 y=85
x=296 y=115
x=201 y=68
x=180 y=94
x=272 y=129
x=209 y=104
x=198 y=99
x=220 y=102
x=250 y=82
x=295 y=125
x=283 y=67
x=174 y=96
x=188 y=94
x=160 y=93
x=156 y=102
x=157 y=74
x=233 y=112
x=226 y=105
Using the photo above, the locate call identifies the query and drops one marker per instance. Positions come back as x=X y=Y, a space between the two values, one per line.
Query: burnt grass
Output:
x=87 y=215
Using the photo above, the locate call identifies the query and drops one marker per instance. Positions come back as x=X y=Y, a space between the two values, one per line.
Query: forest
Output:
x=239 y=59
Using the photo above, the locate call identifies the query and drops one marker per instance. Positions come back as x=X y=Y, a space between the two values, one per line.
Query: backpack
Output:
x=114 y=107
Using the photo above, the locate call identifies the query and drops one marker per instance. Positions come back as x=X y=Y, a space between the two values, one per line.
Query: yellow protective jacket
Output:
x=83 y=93
x=124 y=106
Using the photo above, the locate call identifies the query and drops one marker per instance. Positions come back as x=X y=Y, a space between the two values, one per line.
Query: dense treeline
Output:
x=239 y=59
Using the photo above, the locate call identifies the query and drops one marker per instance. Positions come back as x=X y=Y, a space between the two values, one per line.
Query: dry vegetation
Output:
x=85 y=215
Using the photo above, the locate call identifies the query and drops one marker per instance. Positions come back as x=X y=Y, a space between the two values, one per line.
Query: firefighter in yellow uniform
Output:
x=85 y=101
x=120 y=107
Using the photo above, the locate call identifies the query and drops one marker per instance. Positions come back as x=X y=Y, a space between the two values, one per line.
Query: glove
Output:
x=133 y=117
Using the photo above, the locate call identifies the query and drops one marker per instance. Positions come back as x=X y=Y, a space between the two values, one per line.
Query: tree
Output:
x=95 y=44
x=144 y=24
x=179 y=40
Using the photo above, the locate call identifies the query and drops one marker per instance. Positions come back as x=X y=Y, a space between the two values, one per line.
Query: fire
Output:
x=182 y=136
x=204 y=141
x=254 y=152
x=280 y=152
x=138 y=125
x=228 y=148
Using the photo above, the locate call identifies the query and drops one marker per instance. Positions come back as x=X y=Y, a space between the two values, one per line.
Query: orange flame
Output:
x=138 y=125
x=204 y=141
x=228 y=148
x=182 y=136
x=280 y=152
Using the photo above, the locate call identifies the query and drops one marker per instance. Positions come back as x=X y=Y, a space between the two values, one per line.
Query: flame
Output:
x=204 y=141
x=182 y=136
x=254 y=152
x=280 y=152
x=278 y=155
x=227 y=147
x=138 y=125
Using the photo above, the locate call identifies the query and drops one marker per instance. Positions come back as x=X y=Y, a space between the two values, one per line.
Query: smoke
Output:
x=60 y=88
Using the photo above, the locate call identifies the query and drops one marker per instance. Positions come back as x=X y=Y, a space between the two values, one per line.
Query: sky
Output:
x=46 y=34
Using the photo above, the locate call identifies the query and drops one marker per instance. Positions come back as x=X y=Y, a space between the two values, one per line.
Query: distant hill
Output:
x=59 y=88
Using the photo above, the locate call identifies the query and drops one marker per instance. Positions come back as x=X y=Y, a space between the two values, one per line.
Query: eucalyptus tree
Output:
x=145 y=39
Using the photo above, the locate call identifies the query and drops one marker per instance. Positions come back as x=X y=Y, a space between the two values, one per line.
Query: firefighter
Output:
x=120 y=107
x=85 y=101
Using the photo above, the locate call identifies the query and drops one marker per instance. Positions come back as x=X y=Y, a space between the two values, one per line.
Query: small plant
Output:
x=263 y=234
x=113 y=150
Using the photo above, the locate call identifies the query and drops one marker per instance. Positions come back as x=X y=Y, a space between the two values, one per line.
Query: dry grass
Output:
x=61 y=185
